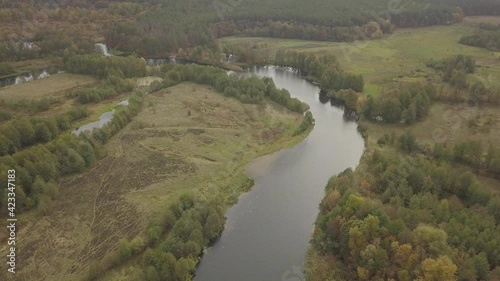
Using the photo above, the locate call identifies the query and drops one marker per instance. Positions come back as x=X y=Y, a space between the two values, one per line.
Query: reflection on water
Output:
x=267 y=233
x=23 y=78
x=104 y=119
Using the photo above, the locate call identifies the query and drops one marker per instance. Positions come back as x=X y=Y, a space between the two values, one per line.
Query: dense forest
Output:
x=404 y=217
x=159 y=28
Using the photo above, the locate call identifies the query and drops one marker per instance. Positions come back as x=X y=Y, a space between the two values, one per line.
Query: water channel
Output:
x=267 y=232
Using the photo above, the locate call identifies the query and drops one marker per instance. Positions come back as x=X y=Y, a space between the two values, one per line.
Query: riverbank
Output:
x=274 y=219
x=201 y=146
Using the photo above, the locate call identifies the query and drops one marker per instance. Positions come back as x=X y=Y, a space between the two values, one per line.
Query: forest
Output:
x=404 y=217
x=159 y=29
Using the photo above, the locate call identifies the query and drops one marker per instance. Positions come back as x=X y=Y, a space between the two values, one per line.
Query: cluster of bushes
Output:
x=471 y=153
x=5 y=115
x=113 y=85
x=39 y=167
x=309 y=63
x=306 y=124
x=100 y=66
x=350 y=99
x=94 y=95
x=121 y=117
x=172 y=242
x=22 y=132
x=474 y=93
x=407 y=218
x=487 y=38
x=455 y=72
x=6 y=69
x=410 y=103
x=334 y=79
x=455 y=69
x=481 y=158
x=31 y=105
x=196 y=225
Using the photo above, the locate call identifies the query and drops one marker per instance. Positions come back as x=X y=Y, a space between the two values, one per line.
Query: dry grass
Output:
x=475 y=20
x=53 y=86
x=186 y=138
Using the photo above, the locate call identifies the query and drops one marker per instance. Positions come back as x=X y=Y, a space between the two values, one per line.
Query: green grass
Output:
x=398 y=57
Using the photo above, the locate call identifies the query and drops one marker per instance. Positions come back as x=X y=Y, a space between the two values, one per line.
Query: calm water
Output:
x=267 y=233
x=104 y=119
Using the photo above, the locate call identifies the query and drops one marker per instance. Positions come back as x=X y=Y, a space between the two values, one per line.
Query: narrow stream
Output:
x=267 y=233
x=104 y=119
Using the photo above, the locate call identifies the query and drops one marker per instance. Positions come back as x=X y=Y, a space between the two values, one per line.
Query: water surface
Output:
x=267 y=233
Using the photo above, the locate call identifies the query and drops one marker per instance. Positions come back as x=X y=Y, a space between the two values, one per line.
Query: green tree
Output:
x=183 y=269
x=213 y=226
x=42 y=133
x=374 y=260
x=431 y=240
x=26 y=131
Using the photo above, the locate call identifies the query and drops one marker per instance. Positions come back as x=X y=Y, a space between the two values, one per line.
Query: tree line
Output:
x=102 y=67
x=323 y=69
x=23 y=132
x=297 y=30
x=247 y=90
x=455 y=71
x=482 y=158
x=112 y=86
x=406 y=103
x=171 y=245
x=25 y=106
x=487 y=37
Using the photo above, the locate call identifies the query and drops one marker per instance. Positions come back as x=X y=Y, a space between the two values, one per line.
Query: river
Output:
x=267 y=232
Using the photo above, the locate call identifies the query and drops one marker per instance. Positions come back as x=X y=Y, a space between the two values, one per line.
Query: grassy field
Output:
x=186 y=138
x=53 y=86
x=398 y=57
